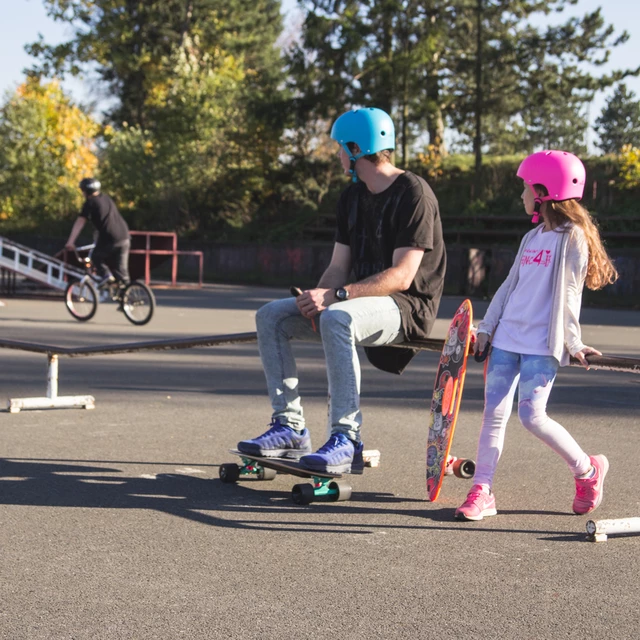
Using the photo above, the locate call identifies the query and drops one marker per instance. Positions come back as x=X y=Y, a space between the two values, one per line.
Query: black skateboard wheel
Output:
x=267 y=474
x=229 y=473
x=342 y=491
x=464 y=468
x=303 y=493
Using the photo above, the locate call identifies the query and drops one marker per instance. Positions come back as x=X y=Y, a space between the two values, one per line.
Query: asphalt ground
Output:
x=115 y=525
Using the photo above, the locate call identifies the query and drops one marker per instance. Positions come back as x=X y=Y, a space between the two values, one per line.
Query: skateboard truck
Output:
x=335 y=490
x=230 y=473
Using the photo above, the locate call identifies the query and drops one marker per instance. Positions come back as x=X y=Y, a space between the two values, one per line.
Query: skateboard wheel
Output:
x=267 y=474
x=464 y=468
x=229 y=473
x=303 y=493
x=342 y=491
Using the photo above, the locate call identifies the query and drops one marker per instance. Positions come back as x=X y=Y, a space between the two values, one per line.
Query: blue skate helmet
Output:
x=370 y=128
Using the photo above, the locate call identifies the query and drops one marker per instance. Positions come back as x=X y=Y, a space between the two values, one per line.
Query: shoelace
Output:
x=474 y=495
x=333 y=443
x=276 y=427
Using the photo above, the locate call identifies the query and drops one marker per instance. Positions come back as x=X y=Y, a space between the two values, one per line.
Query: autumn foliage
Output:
x=47 y=144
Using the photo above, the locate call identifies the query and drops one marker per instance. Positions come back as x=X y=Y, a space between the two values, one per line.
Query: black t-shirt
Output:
x=404 y=215
x=101 y=210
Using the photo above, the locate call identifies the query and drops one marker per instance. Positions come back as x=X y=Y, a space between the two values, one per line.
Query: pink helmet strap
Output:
x=536 y=211
x=537 y=204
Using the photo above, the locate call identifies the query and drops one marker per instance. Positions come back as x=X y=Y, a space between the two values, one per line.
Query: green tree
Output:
x=130 y=44
x=630 y=167
x=200 y=108
x=486 y=67
x=47 y=145
x=520 y=86
x=619 y=122
x=387 y=53
x=197 y=167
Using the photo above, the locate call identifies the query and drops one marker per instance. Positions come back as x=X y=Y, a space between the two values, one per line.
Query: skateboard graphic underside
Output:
x=445 y=402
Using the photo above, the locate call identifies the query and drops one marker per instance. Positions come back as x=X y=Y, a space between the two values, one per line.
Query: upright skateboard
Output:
x=445 y=403
x=325 y=485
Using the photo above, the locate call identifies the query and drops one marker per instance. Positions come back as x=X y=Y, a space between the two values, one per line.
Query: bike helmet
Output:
x=89 y=186
x=370 y=128
x=560 y=172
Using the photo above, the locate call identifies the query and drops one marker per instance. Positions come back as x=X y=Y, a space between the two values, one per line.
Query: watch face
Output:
x=341 y=294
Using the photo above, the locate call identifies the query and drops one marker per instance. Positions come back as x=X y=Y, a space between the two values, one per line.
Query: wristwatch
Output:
x=342 y=294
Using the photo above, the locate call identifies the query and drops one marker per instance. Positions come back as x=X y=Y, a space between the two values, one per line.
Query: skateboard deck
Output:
x=325 y=484
x=285 y=465
x=447 y=394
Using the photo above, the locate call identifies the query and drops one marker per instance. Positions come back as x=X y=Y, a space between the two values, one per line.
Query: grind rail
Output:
x=53 y=353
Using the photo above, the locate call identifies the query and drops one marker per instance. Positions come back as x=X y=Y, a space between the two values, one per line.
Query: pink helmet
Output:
x=562 y=173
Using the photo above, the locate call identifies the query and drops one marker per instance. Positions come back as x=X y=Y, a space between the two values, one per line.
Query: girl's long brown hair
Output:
x=600 y=268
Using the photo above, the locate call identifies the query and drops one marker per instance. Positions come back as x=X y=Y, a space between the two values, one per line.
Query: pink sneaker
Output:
x=477 y=505
x=589 y=491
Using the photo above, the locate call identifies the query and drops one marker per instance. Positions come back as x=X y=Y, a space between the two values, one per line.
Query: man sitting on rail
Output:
x=390 y=235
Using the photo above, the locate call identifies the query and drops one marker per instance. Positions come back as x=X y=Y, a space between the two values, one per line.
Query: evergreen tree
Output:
x=516 y=86
x=384 y=53
x=619 y=122
x=503 y=83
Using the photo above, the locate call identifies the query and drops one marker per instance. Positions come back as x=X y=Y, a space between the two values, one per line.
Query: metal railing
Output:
x=53 y=353
x=35 y=265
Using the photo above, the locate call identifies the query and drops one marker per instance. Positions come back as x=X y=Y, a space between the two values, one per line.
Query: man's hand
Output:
x=70 y=246
x=313 y=301
x=581 y=355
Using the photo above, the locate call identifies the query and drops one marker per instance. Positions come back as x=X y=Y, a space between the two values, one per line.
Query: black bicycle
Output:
x=135 y=299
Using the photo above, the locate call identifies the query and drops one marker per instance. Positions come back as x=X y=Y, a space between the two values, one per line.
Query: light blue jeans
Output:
x=372 y=321
x=533 y=376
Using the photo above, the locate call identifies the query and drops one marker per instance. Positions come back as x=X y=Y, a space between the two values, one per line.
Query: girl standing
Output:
x=533 y=326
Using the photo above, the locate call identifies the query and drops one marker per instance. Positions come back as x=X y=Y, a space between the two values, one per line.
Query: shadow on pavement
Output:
x=85 y=484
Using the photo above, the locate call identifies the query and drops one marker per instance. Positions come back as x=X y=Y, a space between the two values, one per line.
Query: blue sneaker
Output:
x=338 y=455
x=280 y=441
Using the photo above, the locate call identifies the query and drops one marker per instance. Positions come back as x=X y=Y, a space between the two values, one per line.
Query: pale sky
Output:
x=23 y=20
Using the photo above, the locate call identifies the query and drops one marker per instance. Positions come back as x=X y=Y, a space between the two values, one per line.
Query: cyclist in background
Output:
x=111 y=254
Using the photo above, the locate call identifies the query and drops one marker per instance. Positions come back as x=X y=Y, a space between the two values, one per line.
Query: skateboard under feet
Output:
x=329 y=486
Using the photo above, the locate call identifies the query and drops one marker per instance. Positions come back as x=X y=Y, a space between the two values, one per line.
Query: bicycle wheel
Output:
x=81 y=300
x=138 y=303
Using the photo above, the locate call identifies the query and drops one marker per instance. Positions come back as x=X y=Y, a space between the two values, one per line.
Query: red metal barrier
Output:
x=149 y=249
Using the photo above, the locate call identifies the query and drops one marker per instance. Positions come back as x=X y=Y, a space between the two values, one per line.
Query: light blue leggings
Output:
x=534 y=377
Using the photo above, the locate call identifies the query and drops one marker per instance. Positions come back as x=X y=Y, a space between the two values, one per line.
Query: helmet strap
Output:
x=536 y=211
x=352 y=169
x=352 y=162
